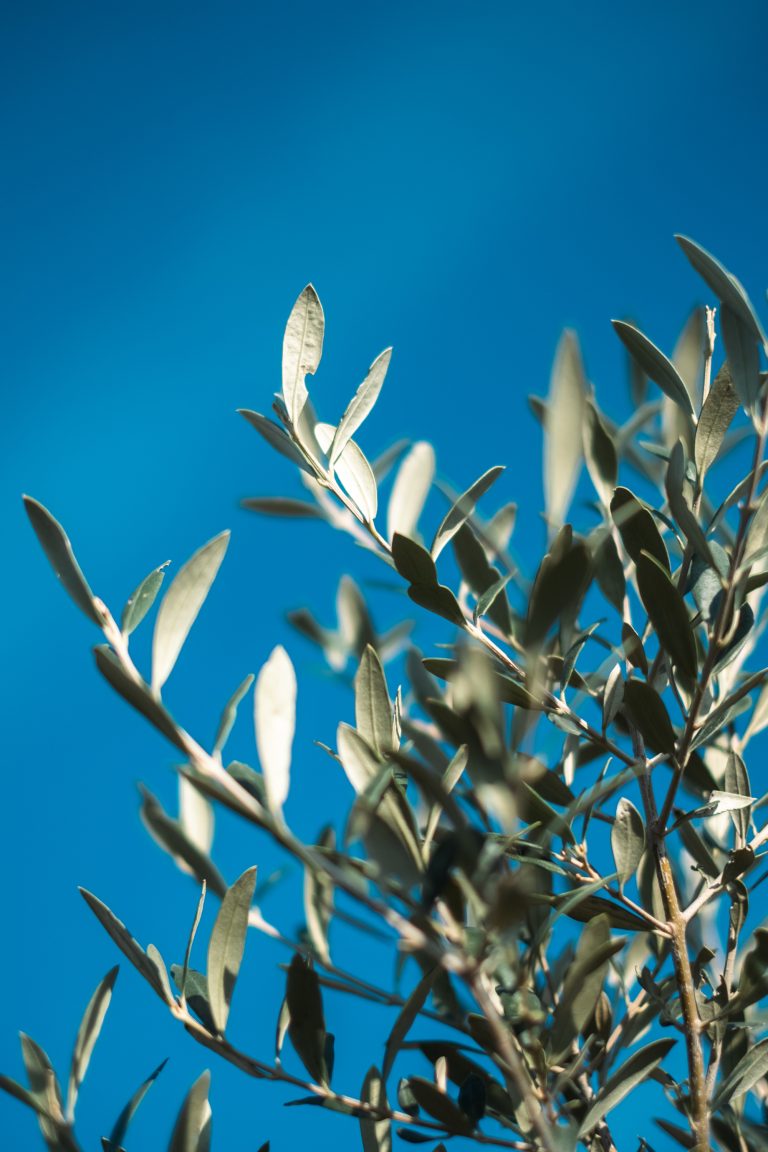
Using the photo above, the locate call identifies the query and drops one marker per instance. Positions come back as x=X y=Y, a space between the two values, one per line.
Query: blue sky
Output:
x=458 y=181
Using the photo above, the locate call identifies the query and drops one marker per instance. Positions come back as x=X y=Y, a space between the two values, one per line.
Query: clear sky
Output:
x=459 y=181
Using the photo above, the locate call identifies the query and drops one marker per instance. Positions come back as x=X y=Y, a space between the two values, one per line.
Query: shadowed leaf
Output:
x=227 y=944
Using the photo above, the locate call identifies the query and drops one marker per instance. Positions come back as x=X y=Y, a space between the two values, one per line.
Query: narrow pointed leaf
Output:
x=227 y=944
x=125 y=942
x=749 y=1071
x=282 y=506
x=87 y=1035
x=180 y=605
x=361 y=404
x=117 y=1135
x=140 y=601
x=414 y=563
x=668 y=614
x=229 y=715
x=56 y=545
x=654 y=363
x=191 y=1132
x=171 y=836
x=648 y=713
x=742 y=350
x=275 y=717
x=138 y=695
x=354 y=473
x=637 y=1068
x=563 y=418
x=302 y=349
x=637 y=527
x=729 y=291
x=463 y=508
x=276 y=438
x=307 y=1021
x=407 y=1016
x=410 y=490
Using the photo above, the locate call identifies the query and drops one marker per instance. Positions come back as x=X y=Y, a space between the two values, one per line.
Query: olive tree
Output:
x=551 y=823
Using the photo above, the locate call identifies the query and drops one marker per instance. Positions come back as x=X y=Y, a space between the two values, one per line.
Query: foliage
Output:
x=580 y=758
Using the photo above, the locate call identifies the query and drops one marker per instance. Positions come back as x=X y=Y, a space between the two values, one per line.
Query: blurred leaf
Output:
x=227 y=944
x=318 y=900
x=583 y=983
x=275 y=719
x=56 y=545
x=668 y=614
x=192 y=1131
x=180 y=605
x=117 y=1135
x=633 y=648
x=45 y=1088
x=276 y=438
x=560 y=585
x=139 y=695
x=302 y=349
x=360 y=405
x=410 y=490
x=171 y=837
x=406 y=1017
x=753 y=981
x=307 y=1022
x=637 y=527
x=600 y=453
x=436 y=1104
x=563 y=416
x=376 y=1135
x=87 y=1035
x=229 y=715
x=472 y=1100
x=140 y=602
x=717 y=413
x=654 y=363
x=125 y=942
x=282 y=506
x=627 y=840
x=634 y=1070
x=462 y=509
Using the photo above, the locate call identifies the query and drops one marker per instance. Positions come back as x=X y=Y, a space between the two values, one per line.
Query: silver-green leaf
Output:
x=627 y=840
x=275 y=718
x=181 y=604
x=302 y=349
x=87 y=1035
x=56 y=545
x=360 y=404
x=227 y=944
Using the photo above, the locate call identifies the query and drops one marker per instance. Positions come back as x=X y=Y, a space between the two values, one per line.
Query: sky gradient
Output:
x=460 y=182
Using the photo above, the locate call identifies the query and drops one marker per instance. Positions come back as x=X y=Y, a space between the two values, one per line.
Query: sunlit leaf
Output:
x=654 y=363
x=192 y=1131
x=564 y=414
x=302 y=350
x=376 y=1135
x=180 y=605
x=227 y=944
x=717 y=413
x=462 y=509
x=58 y=549
x=360 y=404
x=87 y=1035
x=410 y=490
x=140 y=601
x=275 y=718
